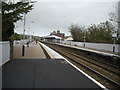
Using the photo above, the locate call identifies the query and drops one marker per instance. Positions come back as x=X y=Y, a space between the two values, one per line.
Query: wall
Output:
x=100 y=46
x=5 y=52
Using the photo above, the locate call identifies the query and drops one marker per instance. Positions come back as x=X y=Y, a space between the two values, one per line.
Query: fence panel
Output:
x=100 y=46
x=5 y=52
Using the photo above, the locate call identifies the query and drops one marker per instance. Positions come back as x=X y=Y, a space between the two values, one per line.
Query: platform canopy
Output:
x=52 y=37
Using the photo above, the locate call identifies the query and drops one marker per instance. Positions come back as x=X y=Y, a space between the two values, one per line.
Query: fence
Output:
x=100 y=46
x=4 y=52
x=21 y=42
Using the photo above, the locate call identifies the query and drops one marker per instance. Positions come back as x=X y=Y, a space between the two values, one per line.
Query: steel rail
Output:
x=112 y=65
x=92 y=70
x=112 y=81
x=95 y=64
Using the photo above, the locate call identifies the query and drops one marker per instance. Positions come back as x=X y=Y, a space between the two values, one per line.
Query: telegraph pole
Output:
x=84 y=38
x=23 y=46
x=84 y=41
x=24 y=26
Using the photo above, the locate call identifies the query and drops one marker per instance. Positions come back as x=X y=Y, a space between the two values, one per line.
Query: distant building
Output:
x=68 y=38
x=37 y=37
x=8 y=1
x=58 y=33
x=52 y=38
x=25 y=0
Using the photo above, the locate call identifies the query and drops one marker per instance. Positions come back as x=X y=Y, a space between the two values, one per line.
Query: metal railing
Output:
x=100 y=46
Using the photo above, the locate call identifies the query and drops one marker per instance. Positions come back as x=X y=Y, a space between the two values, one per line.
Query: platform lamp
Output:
x=23 y=46
x=31 y=36
x=84 y=38
x=114 y=37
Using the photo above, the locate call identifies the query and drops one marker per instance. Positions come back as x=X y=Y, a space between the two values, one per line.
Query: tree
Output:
x=16 y=36
x=101 y=32
x=94 y=33
x=11 y=13
x=76 y=32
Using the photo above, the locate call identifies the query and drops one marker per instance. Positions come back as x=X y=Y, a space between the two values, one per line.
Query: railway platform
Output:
x=34 y=51
x=42 y=67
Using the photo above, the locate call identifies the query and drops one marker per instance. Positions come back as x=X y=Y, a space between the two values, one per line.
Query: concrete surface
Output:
x=43 y=73
x=34 y=51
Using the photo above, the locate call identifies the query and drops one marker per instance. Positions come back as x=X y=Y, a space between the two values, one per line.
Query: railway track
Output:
x=100 y=71
x=113 y=62
x=110 y=70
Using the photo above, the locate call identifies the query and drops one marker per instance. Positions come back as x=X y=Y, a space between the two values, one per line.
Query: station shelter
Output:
x=52 y=38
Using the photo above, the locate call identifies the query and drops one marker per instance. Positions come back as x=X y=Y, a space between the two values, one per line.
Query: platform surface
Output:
x=34 y=51
x=43 y=73
x=37 y=70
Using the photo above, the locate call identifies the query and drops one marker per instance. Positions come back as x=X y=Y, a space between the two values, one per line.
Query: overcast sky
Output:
x=49 y=16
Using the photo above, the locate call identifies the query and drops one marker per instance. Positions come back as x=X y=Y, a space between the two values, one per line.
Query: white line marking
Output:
x=55 y=53
x=4 y=62
x=99 y=84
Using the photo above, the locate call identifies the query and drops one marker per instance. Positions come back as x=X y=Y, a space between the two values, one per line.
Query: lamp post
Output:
x=84 y=41
x=24 y=26
x=33 y=32
x=33 y=36
x=84 y=38
x=114 y=37
x=23 y=46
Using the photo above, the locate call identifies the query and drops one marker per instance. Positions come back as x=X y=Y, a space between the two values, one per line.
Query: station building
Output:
x=58 y=33
x=52 y=38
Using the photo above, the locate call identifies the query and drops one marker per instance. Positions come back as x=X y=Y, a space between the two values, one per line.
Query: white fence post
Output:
x=100 y=46
x=5 y=52
x=0 y=54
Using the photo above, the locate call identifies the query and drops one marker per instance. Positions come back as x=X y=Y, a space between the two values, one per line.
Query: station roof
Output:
x=52 y=37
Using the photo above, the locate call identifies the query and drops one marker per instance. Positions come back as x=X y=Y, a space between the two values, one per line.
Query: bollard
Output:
x=113 y=49
x=84 y=45
x=23 y=50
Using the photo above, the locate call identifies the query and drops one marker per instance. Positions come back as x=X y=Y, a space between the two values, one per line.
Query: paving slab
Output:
x=43 y=73
x=34 y=51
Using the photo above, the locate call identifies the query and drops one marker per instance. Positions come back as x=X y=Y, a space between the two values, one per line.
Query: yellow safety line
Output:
x=50 y=54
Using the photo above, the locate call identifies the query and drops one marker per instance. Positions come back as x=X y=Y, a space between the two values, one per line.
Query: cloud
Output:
x=77 y=0
x=49 y=16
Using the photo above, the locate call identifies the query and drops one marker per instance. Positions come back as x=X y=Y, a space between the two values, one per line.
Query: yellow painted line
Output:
x=50 y=54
